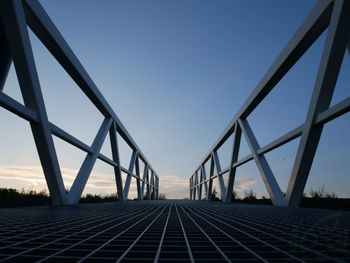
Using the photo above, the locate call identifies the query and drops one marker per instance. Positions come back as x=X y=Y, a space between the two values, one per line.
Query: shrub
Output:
x=214 y=195
x=321 y=193
x=249 y=195
x=161 y=196
x=234 y=196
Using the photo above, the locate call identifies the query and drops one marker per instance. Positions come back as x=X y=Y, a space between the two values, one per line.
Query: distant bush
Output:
x=249 y=195
x=161 y=196
x=12 y=197
x=146 y=195
x=214 y=195
x=89 y=198
x=234 y=196
x=321 y=193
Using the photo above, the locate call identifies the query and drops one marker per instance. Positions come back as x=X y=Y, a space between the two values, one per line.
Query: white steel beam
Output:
x=16 y=31
x=15 y=46
x=313 y=26
x=138 y=184
x=17 y=108
x=234 y=157
x=204 y=180
x=269 y=180
x=49 y=35
x=129 y=174
x=89 y=162
x=200 y=184
x=211 y=174
x=115 y=155
x=220 y=177
x=145 y=171
x=334 y=49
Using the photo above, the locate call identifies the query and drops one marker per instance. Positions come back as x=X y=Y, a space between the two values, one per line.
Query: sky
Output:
x=176 y=72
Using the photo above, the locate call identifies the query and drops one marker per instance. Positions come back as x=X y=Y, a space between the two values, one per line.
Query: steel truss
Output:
x=15 y=46
x=334 y=15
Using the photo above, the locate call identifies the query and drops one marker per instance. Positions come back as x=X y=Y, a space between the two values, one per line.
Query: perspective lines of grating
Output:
x=173 y=231
x=182 y=231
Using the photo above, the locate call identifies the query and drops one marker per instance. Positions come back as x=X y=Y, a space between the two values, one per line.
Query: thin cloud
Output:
x=174 y=187
x=32 y=177
x=244 y=184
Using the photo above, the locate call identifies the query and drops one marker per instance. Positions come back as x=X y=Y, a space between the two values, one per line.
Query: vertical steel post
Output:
x=15 y=29
x=200 y=184
x=152 y=186
x=145 y=171
x=149 y=175
x=195 y=186
x=211 y=174
x=334 y=49
x=89 y=162
x=157 y=189
x=205 y=181
x=116 y=159
x=234 y=157
x=138 y=185
x=269 y=180
x=220 y=177
x=129 y=175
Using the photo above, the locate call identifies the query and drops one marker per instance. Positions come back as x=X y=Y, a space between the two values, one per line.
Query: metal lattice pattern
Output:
x=334 y=15
x=182 y=231
x=15 y=46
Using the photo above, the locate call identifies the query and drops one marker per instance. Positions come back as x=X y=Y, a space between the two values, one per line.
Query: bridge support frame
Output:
x=334 y=15
x=15 y=16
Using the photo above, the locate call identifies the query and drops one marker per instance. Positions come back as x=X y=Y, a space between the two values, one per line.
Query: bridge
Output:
x=172 y=230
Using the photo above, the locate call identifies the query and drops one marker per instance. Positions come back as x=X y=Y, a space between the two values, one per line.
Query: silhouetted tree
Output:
x=214 y=196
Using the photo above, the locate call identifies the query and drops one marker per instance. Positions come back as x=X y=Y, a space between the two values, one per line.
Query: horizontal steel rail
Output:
x=15 y=46
x=334 y=15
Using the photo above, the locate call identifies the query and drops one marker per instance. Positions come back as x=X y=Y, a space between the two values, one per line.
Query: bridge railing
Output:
x=15 y=46
x=334 y=15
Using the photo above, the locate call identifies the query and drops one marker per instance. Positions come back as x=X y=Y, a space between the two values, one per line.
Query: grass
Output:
x=89 y=198
x=13 y=198
x=319 y=198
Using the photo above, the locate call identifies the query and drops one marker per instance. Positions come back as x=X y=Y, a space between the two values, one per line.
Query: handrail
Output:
x=16 y=47
x=334 y=15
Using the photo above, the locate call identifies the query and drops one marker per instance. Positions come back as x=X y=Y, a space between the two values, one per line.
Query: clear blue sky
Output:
x=176 y=72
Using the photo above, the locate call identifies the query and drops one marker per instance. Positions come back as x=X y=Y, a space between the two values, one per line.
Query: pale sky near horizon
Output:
x=176 y=72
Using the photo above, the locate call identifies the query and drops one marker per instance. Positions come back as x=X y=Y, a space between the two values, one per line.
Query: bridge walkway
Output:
x=169 y=231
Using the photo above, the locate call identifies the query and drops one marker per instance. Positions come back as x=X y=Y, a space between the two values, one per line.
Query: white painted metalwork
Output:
x=15 y=46
x=334 y=15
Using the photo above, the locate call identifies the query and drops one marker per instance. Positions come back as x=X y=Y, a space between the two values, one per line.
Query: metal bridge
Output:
x=173 y=231
x=16 y=47
x=164 y=231
x=331 y=15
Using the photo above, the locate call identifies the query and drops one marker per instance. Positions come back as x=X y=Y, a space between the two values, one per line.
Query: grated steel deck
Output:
x=169 y=231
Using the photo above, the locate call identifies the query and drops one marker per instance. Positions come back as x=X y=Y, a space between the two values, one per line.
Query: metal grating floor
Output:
x=169 y=231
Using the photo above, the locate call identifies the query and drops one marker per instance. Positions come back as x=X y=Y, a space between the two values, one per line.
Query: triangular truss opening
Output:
x=285 y=107
x=11 y=86
x=18 y=18
x=334 y=20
